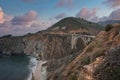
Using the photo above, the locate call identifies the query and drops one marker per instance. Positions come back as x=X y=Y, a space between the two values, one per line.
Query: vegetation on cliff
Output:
x=108 y=27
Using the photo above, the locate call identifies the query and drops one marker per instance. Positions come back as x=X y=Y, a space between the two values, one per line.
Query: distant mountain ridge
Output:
x=104 y=23
x=72 y=24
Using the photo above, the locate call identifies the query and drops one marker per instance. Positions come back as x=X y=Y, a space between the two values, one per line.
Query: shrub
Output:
x=108 y=27
x=7 y=36
x=73 y=77
x=98 y=44
x=85 y=60
x=29 y=33
x=90 y=48
x=98 y=53
x=109 y=73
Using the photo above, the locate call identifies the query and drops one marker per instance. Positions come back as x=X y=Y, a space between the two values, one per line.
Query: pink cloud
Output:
x=113 y=3
x=1 y=15
x=87 y=13
x=62 y=3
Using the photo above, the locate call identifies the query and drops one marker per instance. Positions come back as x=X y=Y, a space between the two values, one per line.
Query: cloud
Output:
x=29 y=1
x=62 y=3
x=87 y=13
x=5 y=20
x=21 y=25
x=25 y=19
x=42 y=24
x=8 y=17
x=97 y=19
x=1 y=15
x=113 y=3
x=115 y=15
x=8 y=28
x=60 y=16
x=5 y=24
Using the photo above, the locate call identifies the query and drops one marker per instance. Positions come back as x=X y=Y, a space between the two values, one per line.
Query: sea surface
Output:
x=16 y=67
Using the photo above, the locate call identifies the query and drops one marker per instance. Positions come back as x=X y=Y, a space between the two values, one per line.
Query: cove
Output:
x=21 y=68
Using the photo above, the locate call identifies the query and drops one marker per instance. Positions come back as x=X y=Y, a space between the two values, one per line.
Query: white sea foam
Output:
x=32 y=66
x=38 y=72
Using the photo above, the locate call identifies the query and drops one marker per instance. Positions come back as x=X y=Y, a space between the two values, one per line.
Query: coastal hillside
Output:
x=58 y=50
x=98 y=61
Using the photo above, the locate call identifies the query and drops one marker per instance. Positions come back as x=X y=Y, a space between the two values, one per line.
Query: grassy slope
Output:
x=72 y=23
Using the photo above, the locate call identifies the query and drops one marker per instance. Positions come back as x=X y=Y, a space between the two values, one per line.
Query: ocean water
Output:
x=16 y=67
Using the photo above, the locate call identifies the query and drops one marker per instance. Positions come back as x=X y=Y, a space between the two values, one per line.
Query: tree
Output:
x=108 y=27
x=9 y=35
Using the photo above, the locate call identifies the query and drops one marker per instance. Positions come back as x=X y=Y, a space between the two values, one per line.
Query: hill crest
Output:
x=77 y=25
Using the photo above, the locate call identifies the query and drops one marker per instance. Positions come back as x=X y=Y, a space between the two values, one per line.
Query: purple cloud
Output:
x=113 y=3
x=24 y=19
x=60 y=16
x=5 y=24
x=115 y=15
x=20 y=25
x=8 y=28
x=29 y=1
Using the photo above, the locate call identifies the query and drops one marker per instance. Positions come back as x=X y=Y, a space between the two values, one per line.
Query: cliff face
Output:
x=11 y=45
x=45 y=46
x=100 y=60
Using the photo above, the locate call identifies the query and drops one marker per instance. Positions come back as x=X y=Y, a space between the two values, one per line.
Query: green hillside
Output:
x=71 y=23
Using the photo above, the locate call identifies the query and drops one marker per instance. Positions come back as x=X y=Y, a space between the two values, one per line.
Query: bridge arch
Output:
x=85 y=39
x=80 y=44
x=77 y=42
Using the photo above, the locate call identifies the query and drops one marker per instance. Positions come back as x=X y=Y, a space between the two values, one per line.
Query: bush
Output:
x=73 y=77
x=6 y=36
x=97 y=54
x=85 y=60
x=108 y=27
x=109 y=73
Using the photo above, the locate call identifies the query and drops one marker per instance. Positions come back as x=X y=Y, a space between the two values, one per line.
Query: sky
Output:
x=19 y=17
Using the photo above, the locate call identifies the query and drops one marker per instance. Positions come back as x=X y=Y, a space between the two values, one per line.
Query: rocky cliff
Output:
x=100 y=60
x=45 y=46
x=57 y=49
